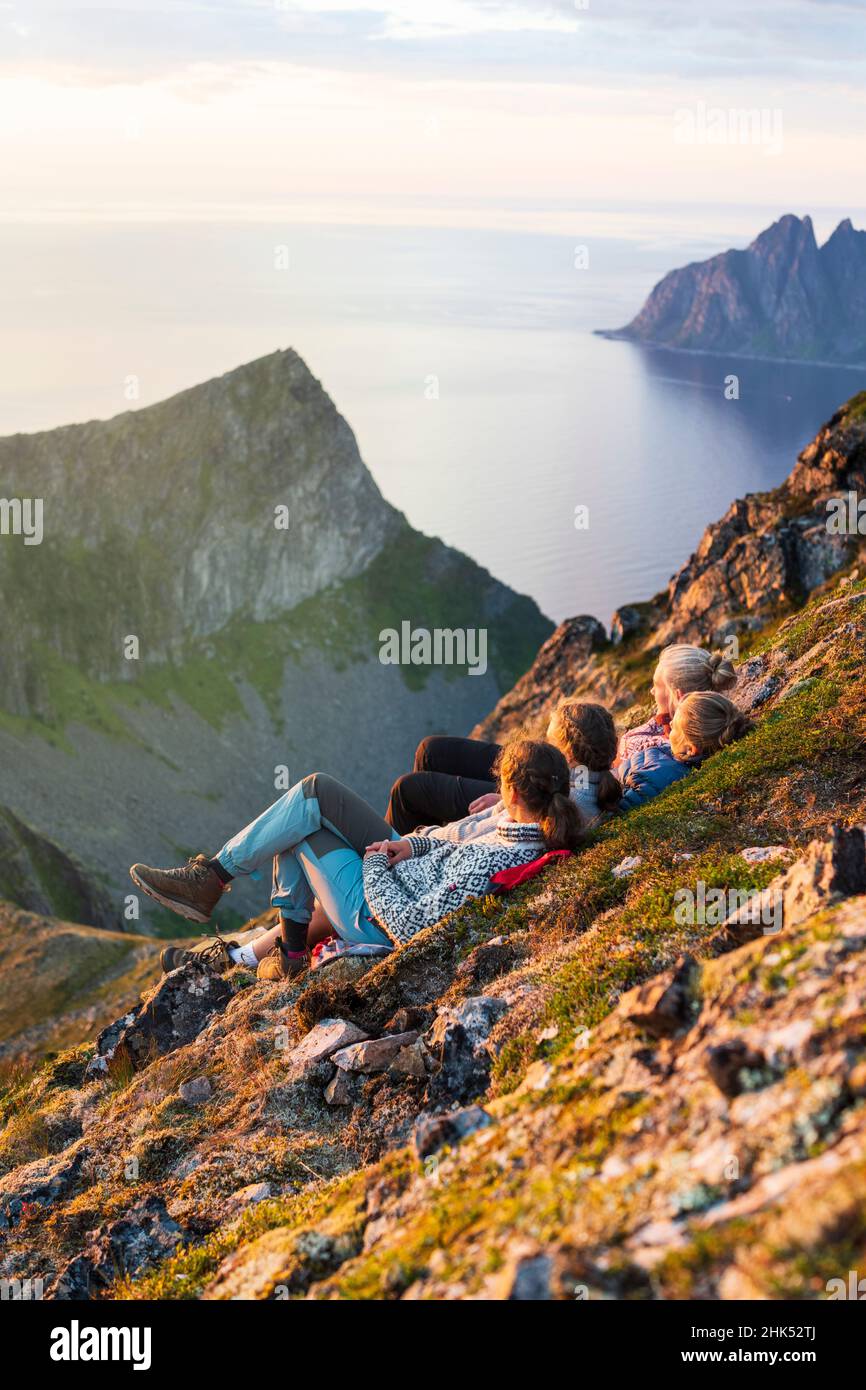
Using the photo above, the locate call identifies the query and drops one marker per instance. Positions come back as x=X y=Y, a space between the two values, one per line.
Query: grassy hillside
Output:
x=611 y=1158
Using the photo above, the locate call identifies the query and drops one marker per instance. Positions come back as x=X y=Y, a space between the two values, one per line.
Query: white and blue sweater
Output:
x=442 y=875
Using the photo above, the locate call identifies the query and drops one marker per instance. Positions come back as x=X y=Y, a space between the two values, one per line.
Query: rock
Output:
x=251 y=1195
x=42 y=1182
x=198 y=1091
x=625 y=622
x=830 y=870
x=323 y=1040
x=171 y=1015
x=538 y=1076
x=144 y=1235
x=728 y=1064
x=410 y=1020
x=763 y=854
x=525 y=1279
x=410 y=1061
x=627 y=866
x=374 y=1055
x=339 y=1089
x=667 y=1004
x=457 y=1043
x=281 y=1262
x=433 y=1132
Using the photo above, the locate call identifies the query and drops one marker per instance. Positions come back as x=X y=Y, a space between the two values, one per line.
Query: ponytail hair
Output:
x=538 y=773
x=586 y=734
x=684 y=667
x=707 y=721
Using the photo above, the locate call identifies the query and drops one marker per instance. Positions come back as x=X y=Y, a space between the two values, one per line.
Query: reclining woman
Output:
x=375 y=887
x=703 y=723
x=452 y=777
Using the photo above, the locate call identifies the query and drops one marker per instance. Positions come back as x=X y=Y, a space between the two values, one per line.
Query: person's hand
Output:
x=483 y=803
x=396 y=850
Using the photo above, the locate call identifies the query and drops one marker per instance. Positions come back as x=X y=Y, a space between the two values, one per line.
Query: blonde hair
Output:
x=686 y=668
x=706 y=722
x=586 y=734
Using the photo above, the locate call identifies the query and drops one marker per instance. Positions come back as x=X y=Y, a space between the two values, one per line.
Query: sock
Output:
x=220 y=872
x=245 y=955
x=294 y=936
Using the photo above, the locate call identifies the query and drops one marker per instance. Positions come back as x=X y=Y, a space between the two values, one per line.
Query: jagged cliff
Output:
x=257 y=643
x=572 y=1091
x=783 y=296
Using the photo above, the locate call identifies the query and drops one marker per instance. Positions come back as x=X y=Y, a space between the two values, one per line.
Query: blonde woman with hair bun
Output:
x=681 y=670
x=703 y=723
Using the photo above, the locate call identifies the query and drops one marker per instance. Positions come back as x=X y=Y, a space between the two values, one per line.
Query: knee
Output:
x=315 y=783
x=425 y=754
x=401 y=792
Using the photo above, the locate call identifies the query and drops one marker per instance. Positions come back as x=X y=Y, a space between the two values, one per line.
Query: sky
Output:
x=495 y=113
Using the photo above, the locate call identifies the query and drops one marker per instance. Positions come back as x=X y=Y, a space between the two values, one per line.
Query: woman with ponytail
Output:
x=375 y=889
x=703 y=723
x=412 y=882
x=681 y=670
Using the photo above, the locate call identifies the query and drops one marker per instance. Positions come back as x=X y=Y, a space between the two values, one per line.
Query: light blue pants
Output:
x=316 y=834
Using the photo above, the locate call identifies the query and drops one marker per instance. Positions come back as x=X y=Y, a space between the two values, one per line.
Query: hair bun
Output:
x=722 y=673
x=738 y=725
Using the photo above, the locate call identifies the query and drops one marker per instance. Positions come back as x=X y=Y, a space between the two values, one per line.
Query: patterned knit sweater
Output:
x=442 y=875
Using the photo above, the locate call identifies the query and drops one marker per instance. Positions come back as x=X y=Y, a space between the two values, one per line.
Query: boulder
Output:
x=625 y=622
x=830 y=870
x=729 y=1063
x=434 y=1132
x=668 y=1004
x=410 y=1061
x=323 y=1040
x=198 y=1091
x=170 y=1015
x=339 y=1089
x=144 y=1235
x=458 y=1045
x=42 y=1182
x=374 y=1055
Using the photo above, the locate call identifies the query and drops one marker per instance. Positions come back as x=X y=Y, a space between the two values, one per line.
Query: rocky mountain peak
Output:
x=783 y=296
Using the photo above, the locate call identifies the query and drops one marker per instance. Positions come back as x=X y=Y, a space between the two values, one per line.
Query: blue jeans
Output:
x=316 y=834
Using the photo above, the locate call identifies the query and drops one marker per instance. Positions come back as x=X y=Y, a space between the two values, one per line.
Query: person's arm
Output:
x=400 y=916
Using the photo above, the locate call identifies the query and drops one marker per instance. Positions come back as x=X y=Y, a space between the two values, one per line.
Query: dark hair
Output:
x=538 y=773
x=587 y=734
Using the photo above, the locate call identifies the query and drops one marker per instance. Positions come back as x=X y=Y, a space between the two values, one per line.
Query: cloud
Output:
x=530 y=40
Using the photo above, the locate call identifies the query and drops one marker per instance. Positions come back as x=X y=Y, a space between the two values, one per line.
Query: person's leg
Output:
x=334 y=871
x=431 y=798
x=317 y=802
x=462 y=757
x=320 y=927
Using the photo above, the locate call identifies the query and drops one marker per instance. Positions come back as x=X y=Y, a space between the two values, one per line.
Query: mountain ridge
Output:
x=781 y=297
x=258 y=647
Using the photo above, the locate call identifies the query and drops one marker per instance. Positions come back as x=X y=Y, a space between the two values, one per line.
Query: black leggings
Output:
x=449 y=773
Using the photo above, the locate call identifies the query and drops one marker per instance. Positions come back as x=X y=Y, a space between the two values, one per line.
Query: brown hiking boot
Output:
x=193 y=891
x=278 y=965
x=215 y=954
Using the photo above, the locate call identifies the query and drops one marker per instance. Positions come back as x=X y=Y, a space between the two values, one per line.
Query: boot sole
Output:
x=191 y=914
